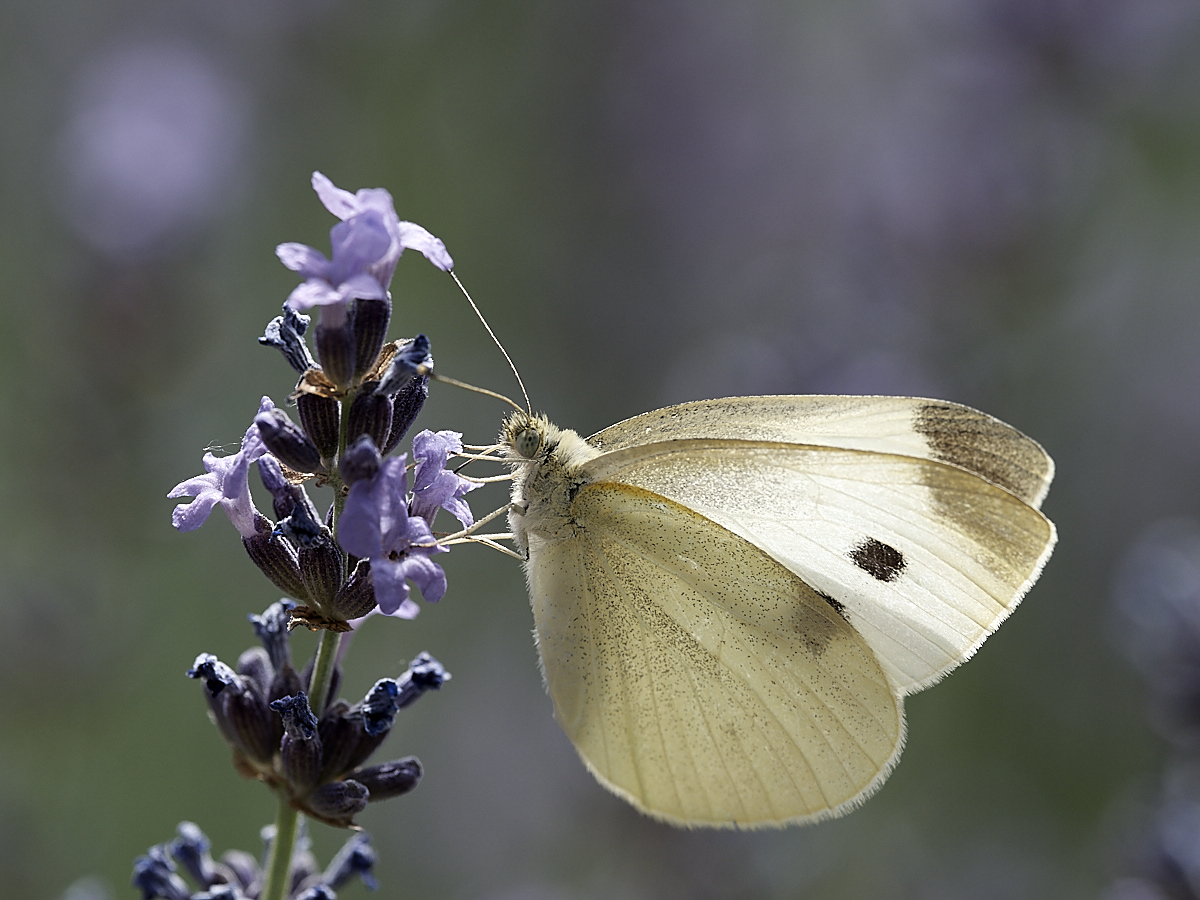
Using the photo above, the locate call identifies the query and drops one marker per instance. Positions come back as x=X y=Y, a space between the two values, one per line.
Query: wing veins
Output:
x=771 y=712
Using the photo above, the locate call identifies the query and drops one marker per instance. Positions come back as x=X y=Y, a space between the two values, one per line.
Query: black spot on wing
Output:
x=877 y=559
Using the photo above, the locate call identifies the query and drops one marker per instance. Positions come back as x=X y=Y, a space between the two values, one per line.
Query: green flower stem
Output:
x=322 y=674
x=279 y=867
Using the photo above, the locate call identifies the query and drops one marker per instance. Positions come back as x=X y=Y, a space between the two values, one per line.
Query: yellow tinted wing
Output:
x=699 y=678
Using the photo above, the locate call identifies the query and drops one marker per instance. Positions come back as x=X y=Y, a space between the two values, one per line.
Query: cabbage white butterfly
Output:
x=733 y=597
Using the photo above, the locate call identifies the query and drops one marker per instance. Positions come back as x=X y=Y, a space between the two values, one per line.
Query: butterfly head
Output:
x=525 y=437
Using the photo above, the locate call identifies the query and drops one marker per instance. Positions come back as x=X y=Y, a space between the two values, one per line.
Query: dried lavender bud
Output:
x=341 y=730
x=391 y=779
x=370 y=414
x=379 y=707
x=155 y=875
x=371 y=319
x=285 y=683
x=321 y=418
x=239 y=710
x=284 y=495
x=288 y=442
x=424 y=674
x=301 y=746
x=276 y=558
x=411 y=360
x=285 y=333
x=254 y=665
x=272 y=629
x=302 y=528
x=338 y=802
x=409 y=394
x=191 y=850
x=356 y=857
x=244 y=868
x=357 y=596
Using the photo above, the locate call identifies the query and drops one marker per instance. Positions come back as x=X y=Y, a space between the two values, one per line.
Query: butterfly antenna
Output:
x=445 y=379
x=528 y=407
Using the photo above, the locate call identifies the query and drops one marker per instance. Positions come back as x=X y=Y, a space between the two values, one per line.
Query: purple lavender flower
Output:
x=404 y=235
x=376 y=525
x=433 y=486
x=225 y=482
x=359 y=244
x=366 y=244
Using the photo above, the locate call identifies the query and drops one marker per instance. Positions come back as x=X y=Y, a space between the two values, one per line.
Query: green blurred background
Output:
x=990 y=201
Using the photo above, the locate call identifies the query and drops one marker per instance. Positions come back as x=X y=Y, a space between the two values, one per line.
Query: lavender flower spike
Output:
x=376 y=525
x=225 y=482
x=433 y=486
x=404 y=235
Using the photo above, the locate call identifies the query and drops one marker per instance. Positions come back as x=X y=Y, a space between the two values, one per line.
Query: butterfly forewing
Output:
x=907 y=426
x=925 y=557
x=698 y=677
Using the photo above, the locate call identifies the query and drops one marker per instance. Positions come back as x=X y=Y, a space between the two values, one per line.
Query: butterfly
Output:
x=732 y=598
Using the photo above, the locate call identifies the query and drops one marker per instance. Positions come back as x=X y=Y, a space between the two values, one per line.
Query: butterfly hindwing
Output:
x=698 y=677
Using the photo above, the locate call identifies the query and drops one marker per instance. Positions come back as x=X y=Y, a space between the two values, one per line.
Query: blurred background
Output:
x=989 y=201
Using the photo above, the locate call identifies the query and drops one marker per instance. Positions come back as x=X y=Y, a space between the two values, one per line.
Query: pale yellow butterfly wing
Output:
x=700 y=679
x=906 y=426
x=926 y=558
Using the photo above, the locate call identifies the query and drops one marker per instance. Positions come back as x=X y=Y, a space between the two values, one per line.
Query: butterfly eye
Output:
x=527 y=442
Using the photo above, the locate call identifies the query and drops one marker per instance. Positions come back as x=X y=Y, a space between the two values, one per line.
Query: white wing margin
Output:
x=925 y=557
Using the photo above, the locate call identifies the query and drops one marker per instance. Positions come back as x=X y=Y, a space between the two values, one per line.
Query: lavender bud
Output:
x=155 y=875
x=239 y=710
x=357 y=857
x=391 y=779
x=321 y=418
x=316 y=892
x=371 y=319
x=217 y=676
x=424 y=674
x=288 y=442
x=276 y=558
x=341 y=730
x=405 y=407
x=191 y=850
x=272 y=629
x=285 y=333
x=244 y=867
x=255 y=667
x=285 y=683
x=411 y=360
x=284 y=494
x=338 y=802
x=361 y=460
x=379 y=707
x=321 y=569
x=370 y=414
x=301 y=745
x=357 y=596
x=301 y=528
x=336 y=346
